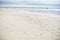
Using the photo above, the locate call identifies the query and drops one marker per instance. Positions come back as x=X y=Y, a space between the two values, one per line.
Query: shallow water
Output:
x=38 y=10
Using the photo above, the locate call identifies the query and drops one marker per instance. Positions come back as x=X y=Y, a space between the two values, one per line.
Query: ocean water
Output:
x=26 y=3
x=33 y=6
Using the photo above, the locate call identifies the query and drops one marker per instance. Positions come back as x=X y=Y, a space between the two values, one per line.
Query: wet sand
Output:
x=24 y=25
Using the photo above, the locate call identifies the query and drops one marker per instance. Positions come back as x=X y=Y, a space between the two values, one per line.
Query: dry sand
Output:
x=23 y=25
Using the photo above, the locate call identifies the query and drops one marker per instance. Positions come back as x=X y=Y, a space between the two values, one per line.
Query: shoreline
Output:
x=27 y=12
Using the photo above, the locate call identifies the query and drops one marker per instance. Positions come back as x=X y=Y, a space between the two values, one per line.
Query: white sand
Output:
x=23 y=25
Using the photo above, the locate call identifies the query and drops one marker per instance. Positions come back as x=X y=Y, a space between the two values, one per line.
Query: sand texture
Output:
x=23 y=25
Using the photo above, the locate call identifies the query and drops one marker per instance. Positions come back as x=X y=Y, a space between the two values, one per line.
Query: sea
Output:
x=32 y=6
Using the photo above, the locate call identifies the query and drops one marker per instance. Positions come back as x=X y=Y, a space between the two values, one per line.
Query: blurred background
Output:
x=52 y=4
x=39 y=6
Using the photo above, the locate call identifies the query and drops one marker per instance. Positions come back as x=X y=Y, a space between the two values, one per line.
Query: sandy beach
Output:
x=24 y=25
